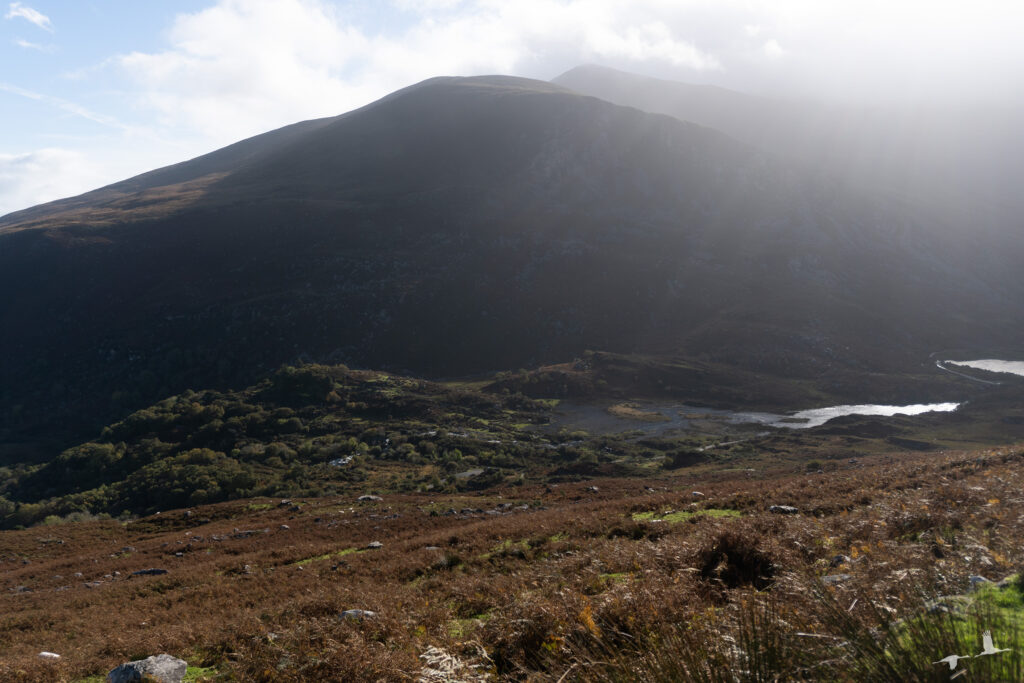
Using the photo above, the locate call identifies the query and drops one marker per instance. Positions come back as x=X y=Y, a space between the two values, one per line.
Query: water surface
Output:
x=1013 y=367
x=816 y=417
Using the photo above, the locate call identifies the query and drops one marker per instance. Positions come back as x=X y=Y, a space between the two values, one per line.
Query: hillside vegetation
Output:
x=675 y=577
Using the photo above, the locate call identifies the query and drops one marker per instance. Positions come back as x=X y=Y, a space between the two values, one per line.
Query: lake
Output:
x=1012 y=367
x=816 y=417
x=595 y=418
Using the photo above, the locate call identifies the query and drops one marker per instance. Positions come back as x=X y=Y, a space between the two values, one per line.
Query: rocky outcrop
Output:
x=162 y=668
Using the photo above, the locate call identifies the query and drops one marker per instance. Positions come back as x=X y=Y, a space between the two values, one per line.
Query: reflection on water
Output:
x=1013 y=367
x=595 y=418
x=805 y=419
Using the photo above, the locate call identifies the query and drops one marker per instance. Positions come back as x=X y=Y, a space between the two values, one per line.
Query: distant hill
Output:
x=961 y=162
x=465 y=225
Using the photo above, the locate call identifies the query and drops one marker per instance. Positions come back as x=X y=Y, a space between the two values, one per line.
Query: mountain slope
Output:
x=961 y=163
x=459 y=226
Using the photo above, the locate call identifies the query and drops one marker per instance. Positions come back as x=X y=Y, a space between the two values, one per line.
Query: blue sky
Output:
x=94 y=91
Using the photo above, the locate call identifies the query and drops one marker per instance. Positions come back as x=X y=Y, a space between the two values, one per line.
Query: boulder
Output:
x=839 y=560
x=783 y=510
x=374 y=545
x=153 y=571
x=49 y=655
x=977 y=581
x=162 y=668
x=358 y=614
x=368 y=498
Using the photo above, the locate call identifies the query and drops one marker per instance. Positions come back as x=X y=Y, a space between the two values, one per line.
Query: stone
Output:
x=374 y=545
x=948 y=604
x=284 y=527
x=162 y=668
x=358 y=614
x=977 y=581
x=49 y=655
x=368 y=498
x=783 y=510
x=153 y=571
x=834 y=579
x=697 y=494
x=1008 y=581
x=839 y=560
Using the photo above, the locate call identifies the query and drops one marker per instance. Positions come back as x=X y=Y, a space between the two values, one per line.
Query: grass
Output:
x=677 y=516
x=575 y=583
x=325 y=556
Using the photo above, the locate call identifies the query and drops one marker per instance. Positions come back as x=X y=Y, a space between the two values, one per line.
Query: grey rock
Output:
x=977 y=581
x=49 y=655
x=358 y=614
x=834 y=579
x=839 y=560
x=374 y=545
x=697 y=494
x=948 y=604
x=368 y=498
x=163 y=668
x=284 y=527
x=1008 y=581
x=783 y=510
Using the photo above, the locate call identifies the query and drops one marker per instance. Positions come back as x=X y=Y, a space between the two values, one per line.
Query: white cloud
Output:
x=33 y=46
x=17 y=10
x=44 y=175
x=239 y=68
x=773 y=50
x=64 y=105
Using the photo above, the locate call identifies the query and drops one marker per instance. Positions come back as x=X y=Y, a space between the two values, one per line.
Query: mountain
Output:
x=465 y=225
x=960 y=161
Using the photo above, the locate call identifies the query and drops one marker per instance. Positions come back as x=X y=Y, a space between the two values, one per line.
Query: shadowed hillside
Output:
x=459 y=226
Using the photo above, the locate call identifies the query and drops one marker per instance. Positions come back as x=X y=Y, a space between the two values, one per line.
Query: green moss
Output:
x=318 y=558
x=195 y=674
x=614 y=577
x=683 y=515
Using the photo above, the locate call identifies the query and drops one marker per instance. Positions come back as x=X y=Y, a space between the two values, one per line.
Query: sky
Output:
x=95 y=91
